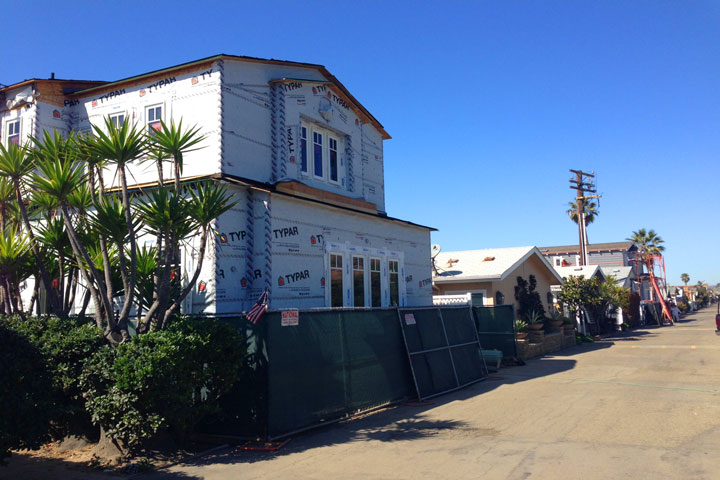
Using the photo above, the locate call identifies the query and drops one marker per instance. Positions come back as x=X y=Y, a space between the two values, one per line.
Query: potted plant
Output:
x=521 y=329
x=568 y=323
x=556 y=319
x=534 y=320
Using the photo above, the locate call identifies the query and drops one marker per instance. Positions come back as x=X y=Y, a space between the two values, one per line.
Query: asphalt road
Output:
x=645 y=404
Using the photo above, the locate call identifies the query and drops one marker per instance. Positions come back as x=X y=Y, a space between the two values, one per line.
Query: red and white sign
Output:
x=409 y=319
x=290 y=318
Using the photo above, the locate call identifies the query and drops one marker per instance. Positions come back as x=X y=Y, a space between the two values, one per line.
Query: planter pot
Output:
x=556 y=323
x=521 y=335
x=536 y=326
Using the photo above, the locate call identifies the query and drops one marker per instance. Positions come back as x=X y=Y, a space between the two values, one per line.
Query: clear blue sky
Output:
x=489 y=103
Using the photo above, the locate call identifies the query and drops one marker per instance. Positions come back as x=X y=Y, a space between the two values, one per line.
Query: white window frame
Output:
x=309 y=152
x=115 y=116
x=17 y=133
x=152 y=107
x=399 y=281
x=304 y=149
x=342 y=269
x=371 y=259
x=323 y=153
x=346 y=251
x=365 y=271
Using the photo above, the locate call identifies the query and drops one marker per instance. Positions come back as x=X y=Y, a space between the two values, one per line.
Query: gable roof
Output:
x=489 y=264
x=359 y=109
x=593 y=247
x=587 y=271
x=619 y=273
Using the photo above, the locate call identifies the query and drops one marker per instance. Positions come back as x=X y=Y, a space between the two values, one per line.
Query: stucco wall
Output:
x=532 y=266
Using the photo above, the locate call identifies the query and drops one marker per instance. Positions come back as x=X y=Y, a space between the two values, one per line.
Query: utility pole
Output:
x=582 y=186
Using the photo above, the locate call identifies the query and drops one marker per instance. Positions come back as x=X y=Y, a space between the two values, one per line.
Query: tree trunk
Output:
x=132 y=275
x=93 y=275
x=188 y=288
x=44 y=275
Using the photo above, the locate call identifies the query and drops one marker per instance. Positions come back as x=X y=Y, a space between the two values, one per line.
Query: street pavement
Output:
x=638 y=405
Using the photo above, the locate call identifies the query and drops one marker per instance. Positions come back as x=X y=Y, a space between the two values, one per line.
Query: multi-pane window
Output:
x=359 y=281
x=13 y=132
x=336 y=280
x=394 y=281
x=332 y=148
x=117 y=119
x=375 y=289
x=154 y=117
x=303 y=149
x=318 y=154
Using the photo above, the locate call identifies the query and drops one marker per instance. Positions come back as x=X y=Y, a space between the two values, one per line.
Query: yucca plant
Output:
x=16 y=165
x=59 y=176
x=14 y=252
x=207 y=202
x=172 y=141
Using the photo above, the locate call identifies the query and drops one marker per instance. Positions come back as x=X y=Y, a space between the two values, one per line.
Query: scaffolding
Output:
x=657 y=283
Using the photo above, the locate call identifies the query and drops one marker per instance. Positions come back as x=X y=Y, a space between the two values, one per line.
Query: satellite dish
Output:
x=435 y=250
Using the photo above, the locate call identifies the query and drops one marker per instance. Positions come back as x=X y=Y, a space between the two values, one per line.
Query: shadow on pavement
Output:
x=397 y=423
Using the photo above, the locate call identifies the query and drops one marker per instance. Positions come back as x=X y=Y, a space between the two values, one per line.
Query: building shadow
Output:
x=401 y=422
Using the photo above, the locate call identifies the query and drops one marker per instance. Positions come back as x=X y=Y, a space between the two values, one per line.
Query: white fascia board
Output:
x=475 y=278
x=542 y=258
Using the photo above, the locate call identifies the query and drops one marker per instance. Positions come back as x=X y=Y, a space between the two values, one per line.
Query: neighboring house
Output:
x=304 y=159
x=624 y=276
x=587 y=271
x=493 y=273
x=612 y=254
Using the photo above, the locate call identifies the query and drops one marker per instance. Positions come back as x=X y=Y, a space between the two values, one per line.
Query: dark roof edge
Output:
x=270 y=188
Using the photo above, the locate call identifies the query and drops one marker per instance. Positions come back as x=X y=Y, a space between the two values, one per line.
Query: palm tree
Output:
x=590 y=209
x=17 y=165
x=649 y=245
x=648 y=242
x=685 y=278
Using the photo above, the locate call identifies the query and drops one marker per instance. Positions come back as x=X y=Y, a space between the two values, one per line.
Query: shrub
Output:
x=65 y=345
x=528 y=298
x=169 y=378
x=26 y=398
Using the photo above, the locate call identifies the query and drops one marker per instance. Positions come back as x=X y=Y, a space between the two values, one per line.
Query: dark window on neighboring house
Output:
x=499 y=298
x=550 y=298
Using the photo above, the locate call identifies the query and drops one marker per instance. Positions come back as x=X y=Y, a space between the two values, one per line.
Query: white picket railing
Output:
x=463 y=299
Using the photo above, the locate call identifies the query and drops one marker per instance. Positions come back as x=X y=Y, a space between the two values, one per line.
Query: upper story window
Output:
x=117 y=119
x=154 y=115
x=319 y=154
x=13 y=132
x=303 y=149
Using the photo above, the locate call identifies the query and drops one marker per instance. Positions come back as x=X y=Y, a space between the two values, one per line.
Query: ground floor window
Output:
x=363 y=277
x=358 y=281
x=394 y=281
x=375 y=283
x=336 y=280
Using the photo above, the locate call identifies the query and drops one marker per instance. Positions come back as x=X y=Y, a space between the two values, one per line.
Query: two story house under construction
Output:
x=303 y=158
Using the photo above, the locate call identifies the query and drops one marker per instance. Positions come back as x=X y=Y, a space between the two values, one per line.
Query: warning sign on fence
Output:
x=409 y=319
x=290 y=318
